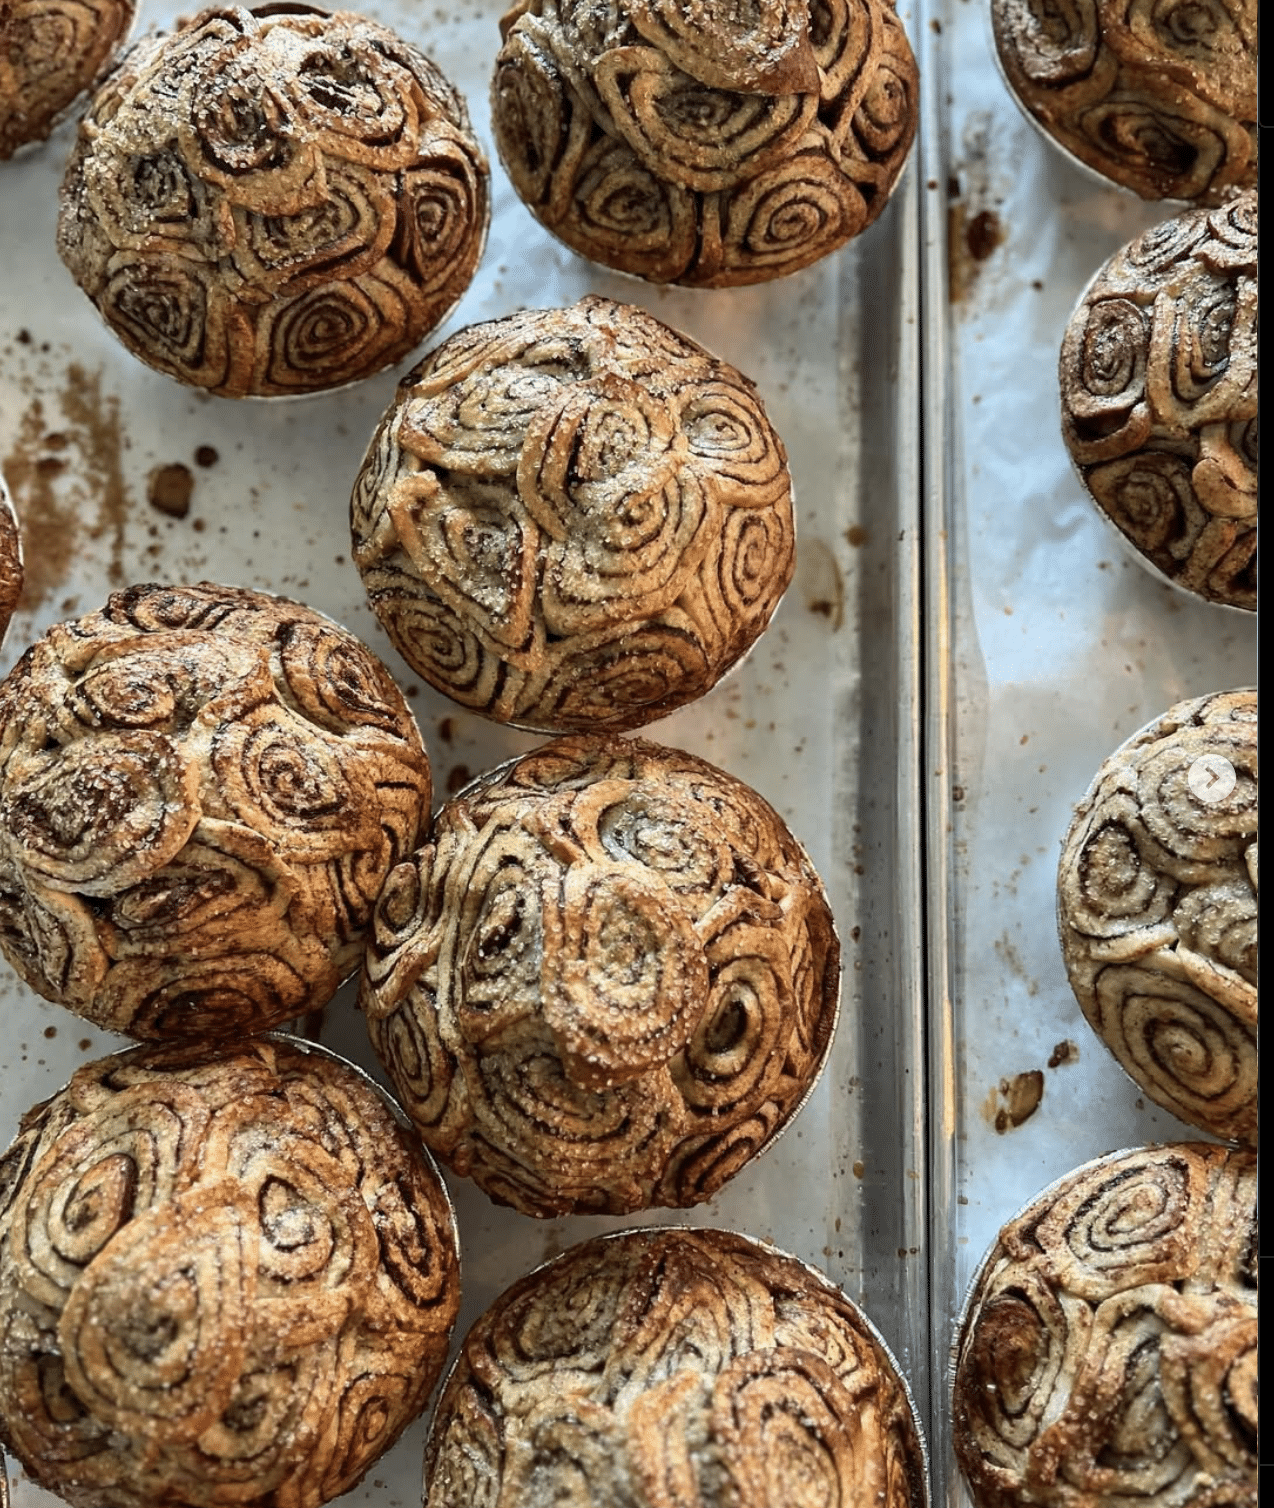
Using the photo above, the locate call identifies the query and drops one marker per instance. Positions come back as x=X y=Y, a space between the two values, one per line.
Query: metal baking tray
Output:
x=1046 y=646
x=823 y=718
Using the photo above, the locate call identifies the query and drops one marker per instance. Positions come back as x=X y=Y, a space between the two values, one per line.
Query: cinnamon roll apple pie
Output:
x=660 y=1367
x=704 y=144
x=1157 y=95
x=572 y=519
x=51 y=51
x=201 y=791
x=274 y=201
x=1108 y=1354
x=1158 y=376
x=1157 y=910
x=226 y=1276
x=606 y=983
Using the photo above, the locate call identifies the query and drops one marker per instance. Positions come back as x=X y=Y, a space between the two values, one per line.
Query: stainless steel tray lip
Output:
x=823 y=1280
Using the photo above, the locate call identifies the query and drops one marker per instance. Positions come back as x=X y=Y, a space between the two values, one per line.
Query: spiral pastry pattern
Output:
x=674 y=1367
x=1156 y=95
x=202 y=790
x=274 y=201
x=1108 y=1350
x=705 y=145
x=573 y=518
x=606 y=982
x=51 y=51
x=1157 y=910
x=225 y=1277
x=1158 y=376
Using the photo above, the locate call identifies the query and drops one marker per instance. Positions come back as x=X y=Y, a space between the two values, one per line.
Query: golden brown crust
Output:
x=201 y=791
x=1158 y=95
x=704 y=144
x=574 y=518
x=11 y=574
x=224 y=1277
x=606 y=983
x=274 y=203
x=1157 y=910
x=51 y=51
x=1158 y=376
x=653 y=1368
x=1108 y=1354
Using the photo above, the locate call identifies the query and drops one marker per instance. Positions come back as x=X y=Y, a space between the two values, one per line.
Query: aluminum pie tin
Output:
x=820 y=1278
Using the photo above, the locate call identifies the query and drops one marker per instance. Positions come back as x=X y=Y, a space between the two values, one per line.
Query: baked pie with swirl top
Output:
x=226 y=1276
x=572 y=519
x=1108 y=1353
x=51 y=51
x=1157 y=909
x=201 y=791
x=1156 y=95
x=274 y=201
x=701 y=143
x=659 y=1367
x=607 y=981
x=1158 y=376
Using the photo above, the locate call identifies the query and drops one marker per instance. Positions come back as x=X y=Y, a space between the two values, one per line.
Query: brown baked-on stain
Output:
x=206 y=455
x=1065 y=1052
x=68 y=487
x=970 y=241
x=983 y=233
x=458 y=776
x=169 y=488
x=1015 y=1100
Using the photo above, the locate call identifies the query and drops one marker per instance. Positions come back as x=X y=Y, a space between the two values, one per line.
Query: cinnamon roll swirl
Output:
x=1157 y=95
x=1108 y=1350
x=606 y=982
x=274 y=201
x=226 y=1276
x=1157 y=911
x=573 y=518
x=201 y=791
x=51 y=51
x=705 y=145
x=1158 y=376
x=677 y=1366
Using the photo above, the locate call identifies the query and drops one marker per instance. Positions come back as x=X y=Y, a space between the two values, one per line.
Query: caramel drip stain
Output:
x=1015 y=1100
x=68 y=485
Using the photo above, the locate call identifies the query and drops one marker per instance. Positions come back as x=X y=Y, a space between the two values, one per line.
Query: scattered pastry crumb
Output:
x=169 y=488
